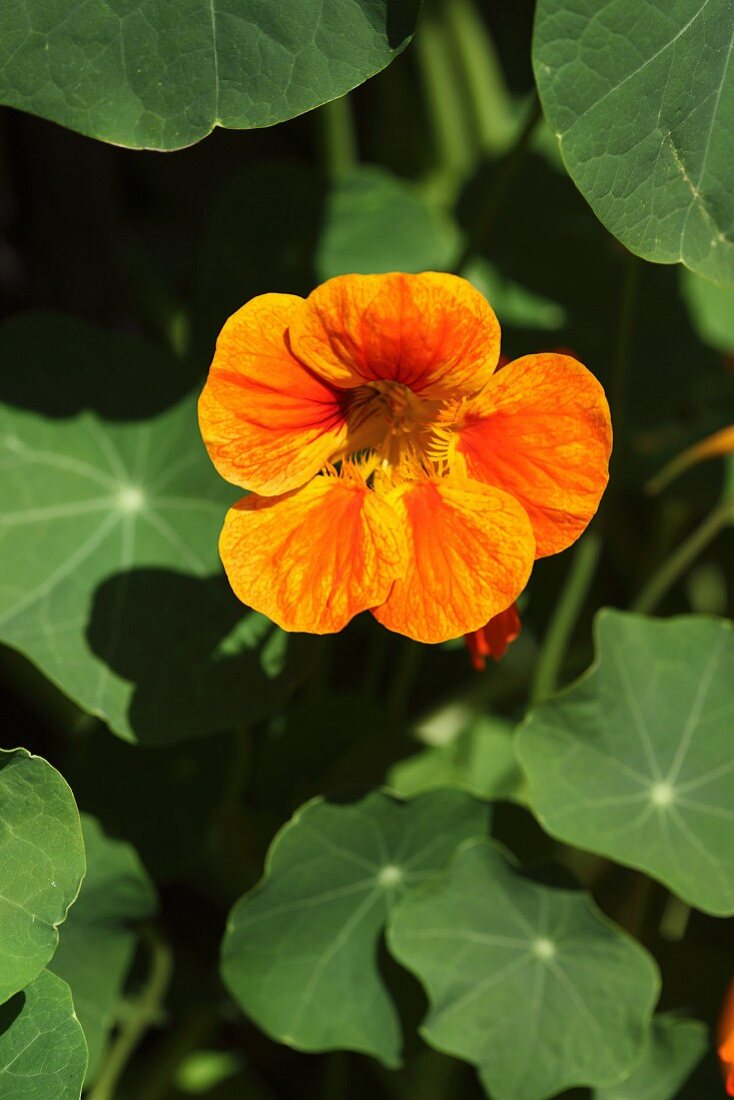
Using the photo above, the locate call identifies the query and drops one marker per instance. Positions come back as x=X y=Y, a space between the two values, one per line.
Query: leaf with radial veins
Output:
x=634 y=760
x=161 y=74
x=109 y=521
x=640 y=95
x=43 y=1055
x=300 y=953
x=673 y=1049
x=98 y=939
x=528 y=982
x=41 y=865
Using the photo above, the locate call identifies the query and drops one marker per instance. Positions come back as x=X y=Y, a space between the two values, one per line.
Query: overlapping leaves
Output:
x=634 y=760
x=641 y=98
x=161 y=74
x=109 y=520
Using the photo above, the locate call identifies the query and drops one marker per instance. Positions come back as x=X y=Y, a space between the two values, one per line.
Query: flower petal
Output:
x=471 y=549
x=493 y=638
x=268 y=423
x=432 y=332
x=312 y=559
x=541 y=431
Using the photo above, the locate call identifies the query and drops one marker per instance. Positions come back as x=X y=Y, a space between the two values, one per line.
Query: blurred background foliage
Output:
x=440 y=161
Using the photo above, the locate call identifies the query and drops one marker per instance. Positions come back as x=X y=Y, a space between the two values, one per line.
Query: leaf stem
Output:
x=408 y=664
x=337 y=137
x=565 y=614
x=506 y=172
x=674 y=566
x=143 y=1013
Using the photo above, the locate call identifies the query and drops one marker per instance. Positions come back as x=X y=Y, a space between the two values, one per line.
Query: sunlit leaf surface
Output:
x=634 y=759
x=43 y=1054
x=528 y=982
x=98 y=939
x=161 y=74
x=300 y=954
x=640 y=95
x=109 y=520
x=41 y=865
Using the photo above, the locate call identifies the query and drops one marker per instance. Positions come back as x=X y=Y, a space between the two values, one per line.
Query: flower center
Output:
x=390 y=419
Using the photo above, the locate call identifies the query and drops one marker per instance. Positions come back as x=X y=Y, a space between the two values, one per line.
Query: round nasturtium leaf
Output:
x=110 y=580
x=300 y=952
x=98 y=939
x=161 y=74
x=43 y=1055
x=634 y=760
x=528 y=982
x=641 y=99
x=673 y=1049
x=41 y=865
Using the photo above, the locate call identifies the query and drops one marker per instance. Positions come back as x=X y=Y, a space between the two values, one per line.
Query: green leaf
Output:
x=300 y=953
x=481 y=759
x=712 y=311
x=41 y=865
x=674 y=1047
x=110 y=517
x=98 y=940
x=634 y=760
x=43 y=1055
x=161 y=74
x=641 y=98
x=528 y=982
x=375 y=222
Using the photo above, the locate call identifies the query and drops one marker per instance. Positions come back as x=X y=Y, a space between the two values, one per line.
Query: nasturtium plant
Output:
x=98 y=939
x=408 y=323
x=674 y=1046
x=527 y=981
x=162 y=75
x=641 y=99
x=632 y=761
x=42 y=1047
x=113 y=517
x=300 y=954
x=41 y=865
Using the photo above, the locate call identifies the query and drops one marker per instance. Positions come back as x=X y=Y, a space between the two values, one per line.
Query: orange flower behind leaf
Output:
x=391 y=467
x=725 y=1038
x=493 y=638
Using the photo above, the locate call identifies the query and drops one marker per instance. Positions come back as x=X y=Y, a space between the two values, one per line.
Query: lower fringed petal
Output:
x=541 y=431
x=471 y=550
x=312 y=559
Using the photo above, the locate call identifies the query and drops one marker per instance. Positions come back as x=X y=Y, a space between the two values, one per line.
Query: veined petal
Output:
x=541 y=430
x=312 y=559
x=268 y=423
x=431 y=332
x=471 y=550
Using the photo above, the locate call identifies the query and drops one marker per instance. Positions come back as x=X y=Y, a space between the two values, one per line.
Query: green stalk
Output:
x=479 y=67
x=682 y=557
x=337 y=137
x=565 y=614
x=506 y=174
x=144 y=1012
x=408 y=664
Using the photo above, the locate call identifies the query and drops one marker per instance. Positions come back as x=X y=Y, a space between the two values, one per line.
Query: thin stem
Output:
x=143 y=1013
x=479 y=67
x=682 y=557
x=620 y=375
x=504 y=178
x=337 y=137
x=565 y=614
x=406 y=671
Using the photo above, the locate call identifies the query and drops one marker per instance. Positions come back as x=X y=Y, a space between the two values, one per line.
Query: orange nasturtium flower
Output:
x=390 y=468
x=492 y=639
x=725 y=1036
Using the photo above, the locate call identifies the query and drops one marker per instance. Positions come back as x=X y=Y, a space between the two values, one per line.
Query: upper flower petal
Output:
x=541 y=430
x=432 y=332
x=471 y=551
x=268 y=423
x=312 y=559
